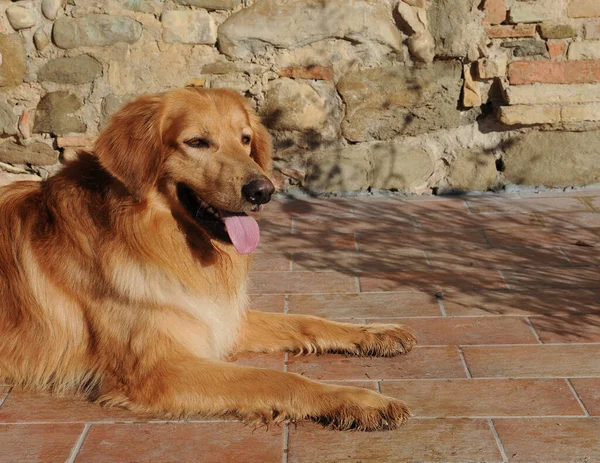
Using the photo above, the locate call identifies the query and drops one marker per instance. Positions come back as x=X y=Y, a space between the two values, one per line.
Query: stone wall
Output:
x=416 y=96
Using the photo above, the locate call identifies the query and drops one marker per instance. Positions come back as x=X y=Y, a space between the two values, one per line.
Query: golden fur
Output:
x=108 y=286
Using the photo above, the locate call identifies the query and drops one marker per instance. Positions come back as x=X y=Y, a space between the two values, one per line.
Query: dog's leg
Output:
x=186 y=386
x=269 y=332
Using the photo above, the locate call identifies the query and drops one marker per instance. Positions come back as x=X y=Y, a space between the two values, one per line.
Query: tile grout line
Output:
x=286 y=443
x=464 y=362
x=533 y=330
x=357 y=281
x=440 y=298
x=498 y=441
x=79 y=443
x=504 y=279
x=577 y=397
x=286 y=304
x=378 y=386
x=6 y=396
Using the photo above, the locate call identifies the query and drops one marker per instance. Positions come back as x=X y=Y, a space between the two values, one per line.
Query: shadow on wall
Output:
x=445 y=251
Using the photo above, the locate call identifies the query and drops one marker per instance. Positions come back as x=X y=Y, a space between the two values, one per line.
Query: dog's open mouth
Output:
x=232 y=227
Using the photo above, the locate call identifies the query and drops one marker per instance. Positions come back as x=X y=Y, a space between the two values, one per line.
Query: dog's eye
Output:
x=246 y=139
x=198 y=143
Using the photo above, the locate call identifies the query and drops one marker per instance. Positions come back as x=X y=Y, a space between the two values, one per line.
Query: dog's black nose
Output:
x=258 y=191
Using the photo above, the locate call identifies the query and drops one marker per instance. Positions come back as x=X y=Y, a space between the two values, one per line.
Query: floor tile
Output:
x=38 y=443
x=270 y=262
x=533 y=361
x=429 y=441
x=498 y=258
x=421 y=362
x=382 y=241
x=366 y=305
x=485 y=398
x=267 y=302
x=326 y=207
x=515 y=237
x=546 y=440
x=582 y=277
x=26 y=407
x=181 y=442
x=583 y=255
x=432 y=280
x=356 y=262
x=289 y=243
x=445 y=331
x=502 y=204
x=471 y=220
x=400 y=223
x=539 y=302
x=568 y=329
x=588 y=390
x=301 y=283
x=571 y=220
x=4 y=390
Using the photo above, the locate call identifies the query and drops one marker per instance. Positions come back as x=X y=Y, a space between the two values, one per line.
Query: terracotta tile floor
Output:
x=502 y=291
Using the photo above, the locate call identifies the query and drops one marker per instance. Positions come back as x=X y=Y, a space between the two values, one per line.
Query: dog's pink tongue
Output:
x=242 y=230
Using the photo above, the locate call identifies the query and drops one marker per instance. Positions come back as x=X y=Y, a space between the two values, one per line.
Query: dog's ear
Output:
x=261 y=145
x=131 y=146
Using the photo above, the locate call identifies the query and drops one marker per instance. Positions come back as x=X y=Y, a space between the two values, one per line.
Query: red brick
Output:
x=432 y=280
x=24 y=407
x=498 y=258
x=384 y=241
x=542 y=237
x=301 y=283
x=444 y=331
x=270 y=262
x=307 y=72
x=359 y=262
x=267 y=302
x=504 y=32
x=506 y=205
x=588 y=390
x=447 y=441
x=583 y=9
x=366 y=305
x=485 y=398
x=38 y=442
x=495 y=11
x=541 y=302
x=554 y=72
x=288 y=242
x=568 y=329
x=547 y=440
x=422 y=362
x=174 y=442
x=566 y=360
x=556 y=48
x=459 y=221
x=557 y=278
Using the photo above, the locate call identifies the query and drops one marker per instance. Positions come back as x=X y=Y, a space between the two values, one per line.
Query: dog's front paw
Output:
x=382 y=340
x=364 y=410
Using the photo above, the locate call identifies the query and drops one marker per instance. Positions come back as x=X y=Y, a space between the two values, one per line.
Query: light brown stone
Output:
x=529 y=115
x=488 y=68
x=471 y=90
x=36 y=153
x=12 y=50
x=473 y=170
x=586 y=50
x=581 y=112
x=552 y=93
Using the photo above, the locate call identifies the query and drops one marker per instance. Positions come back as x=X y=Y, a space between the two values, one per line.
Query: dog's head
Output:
x=205 y=149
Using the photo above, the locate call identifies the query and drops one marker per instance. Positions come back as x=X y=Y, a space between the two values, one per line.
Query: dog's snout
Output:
x=258 y=191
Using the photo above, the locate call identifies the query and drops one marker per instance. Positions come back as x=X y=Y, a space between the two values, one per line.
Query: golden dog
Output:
x=124 y=276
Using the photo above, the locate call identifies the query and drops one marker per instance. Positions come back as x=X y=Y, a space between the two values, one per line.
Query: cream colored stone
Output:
x=552 y=93
x=529 y=115
x=471 y=90
x=581 y=112
x=473 y=170
x=588 y=49
x=488 y=68
x=409 y=15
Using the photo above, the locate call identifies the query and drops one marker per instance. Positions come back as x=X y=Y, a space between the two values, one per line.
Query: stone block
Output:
x=307 y=72
x=586 y=50
x=576 y=72
x=20 y=17
x=592 y=30
x=340 y=169
x=36 y=153
x=396 y=166
x=451 y=24
x=529 y=115
x=50 y=8
x=76 y=70
x=489 y=68
x=526 y=47
x=581 y=112
x=558 y=31
x=54 y=114
x=40 y=39
x=531 y=12
x=14 y=60
x=473 y=170
x=212 y=4
x=553 y=159
x=584 y=9
x=504 y=32
x=293 y=24
x=8 y=119
x=471 y=89
x=193 y=27
x=385 y=102
x=95 y=30
x=495 y=11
